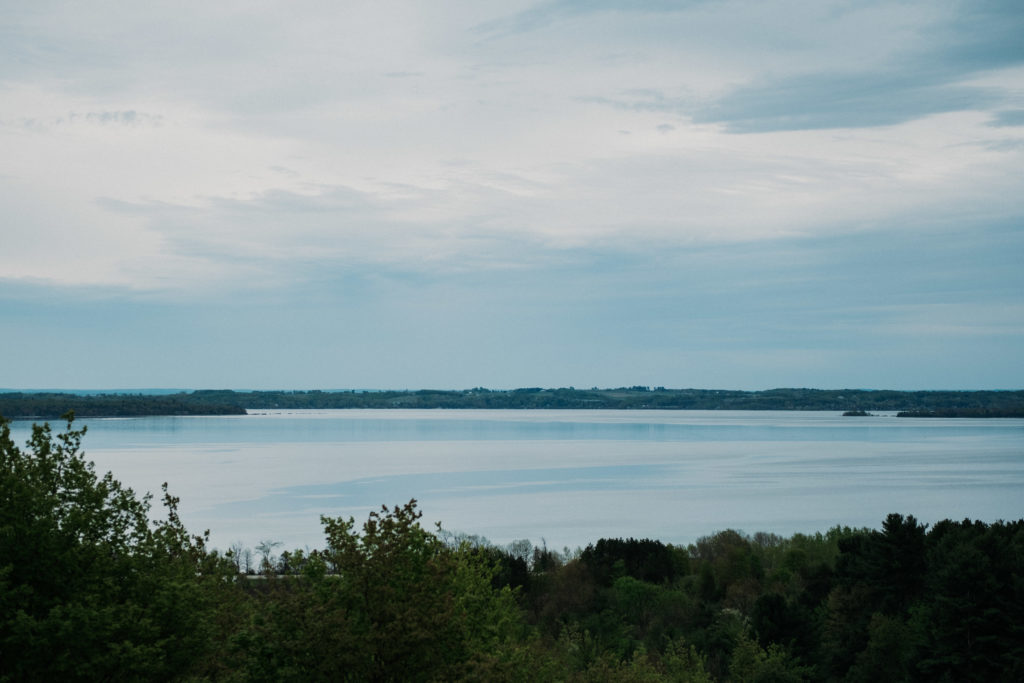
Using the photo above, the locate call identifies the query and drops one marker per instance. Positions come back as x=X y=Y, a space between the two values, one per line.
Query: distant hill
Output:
x=47 y=405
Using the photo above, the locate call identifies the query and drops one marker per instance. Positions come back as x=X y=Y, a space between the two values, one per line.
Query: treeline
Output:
x=964 y=412
x=90 y=589
x=48 y=406
x=226 y=402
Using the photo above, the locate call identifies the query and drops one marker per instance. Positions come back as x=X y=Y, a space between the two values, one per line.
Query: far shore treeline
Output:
x=50 y=405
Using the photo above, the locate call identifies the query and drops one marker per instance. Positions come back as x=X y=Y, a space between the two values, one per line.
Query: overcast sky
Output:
x=718 y=194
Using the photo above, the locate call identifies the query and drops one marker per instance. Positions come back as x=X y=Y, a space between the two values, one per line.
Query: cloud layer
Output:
x=552 y=163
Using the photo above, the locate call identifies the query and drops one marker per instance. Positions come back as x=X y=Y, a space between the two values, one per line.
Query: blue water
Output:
x=330 y=426
x=569 y=477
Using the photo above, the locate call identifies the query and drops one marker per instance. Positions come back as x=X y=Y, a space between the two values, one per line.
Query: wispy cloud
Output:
x=840 y=101
x=1008 y=117
x=542 y=14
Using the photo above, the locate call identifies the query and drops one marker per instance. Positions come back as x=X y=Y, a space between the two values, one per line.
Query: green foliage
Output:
x=387 y=601
x=645 y=560
x=888 y=653
x=683 y=664
x=397 y=587
x=89 y=589
x=295 y=629
x=753 y=664
x=972 y=626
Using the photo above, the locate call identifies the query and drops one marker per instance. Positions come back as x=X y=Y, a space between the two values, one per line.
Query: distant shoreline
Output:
x=973 y=404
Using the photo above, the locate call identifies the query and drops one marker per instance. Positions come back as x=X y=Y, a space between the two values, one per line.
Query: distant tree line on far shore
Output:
x=226 y=402
x=48 y=406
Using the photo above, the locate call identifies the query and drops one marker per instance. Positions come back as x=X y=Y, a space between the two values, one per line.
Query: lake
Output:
x=566 y=478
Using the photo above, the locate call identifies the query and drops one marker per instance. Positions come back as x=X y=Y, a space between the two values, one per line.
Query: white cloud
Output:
x=162 y=145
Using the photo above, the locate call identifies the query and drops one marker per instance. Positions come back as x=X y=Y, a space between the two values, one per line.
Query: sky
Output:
x=736 y=194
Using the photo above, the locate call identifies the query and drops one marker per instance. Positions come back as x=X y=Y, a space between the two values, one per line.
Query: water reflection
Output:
x=567 y=476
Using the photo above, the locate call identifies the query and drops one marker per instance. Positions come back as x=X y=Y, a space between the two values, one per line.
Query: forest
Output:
x=95 y=585
x=49 y=405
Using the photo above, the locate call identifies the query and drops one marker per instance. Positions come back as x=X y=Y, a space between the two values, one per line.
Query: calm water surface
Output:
x=567 y=477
